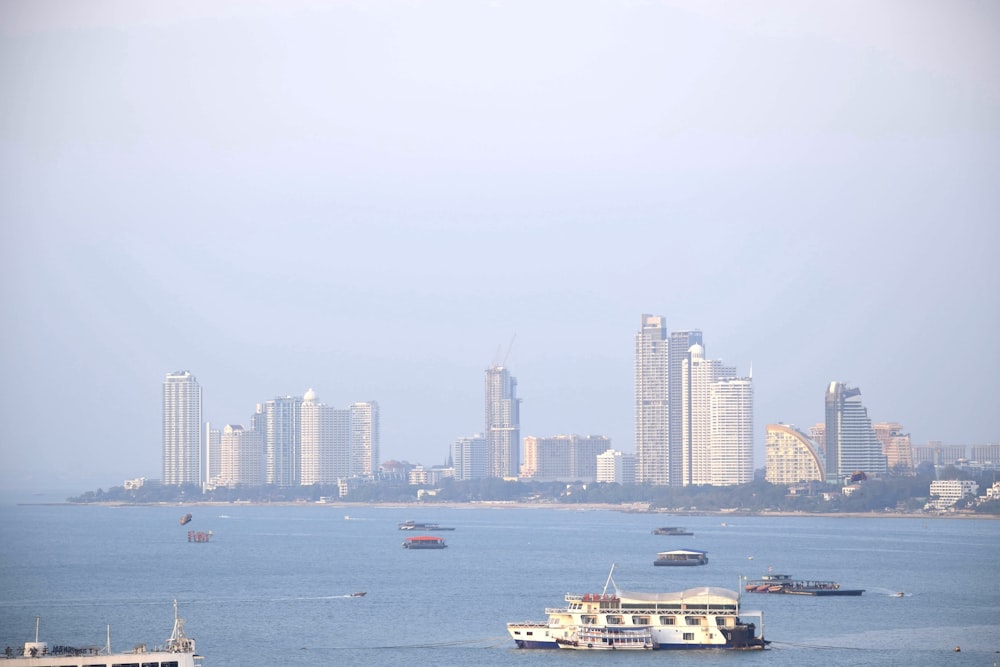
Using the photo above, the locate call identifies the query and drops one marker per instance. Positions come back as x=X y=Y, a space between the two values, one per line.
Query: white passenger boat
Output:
x=696 y=618
x=178 y=652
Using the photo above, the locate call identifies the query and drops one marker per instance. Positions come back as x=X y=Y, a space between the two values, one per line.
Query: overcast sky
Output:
x=379 y=199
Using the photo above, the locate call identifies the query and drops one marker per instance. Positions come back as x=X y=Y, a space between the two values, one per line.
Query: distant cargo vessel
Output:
x=415 y=525
x=424 y=542
x=784 y=584
x=671 y=530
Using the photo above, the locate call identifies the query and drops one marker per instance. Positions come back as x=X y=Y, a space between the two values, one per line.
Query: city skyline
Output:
x=371 y=199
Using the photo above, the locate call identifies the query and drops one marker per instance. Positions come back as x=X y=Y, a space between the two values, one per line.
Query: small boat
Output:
x=424 y=542
x=696 y=618
x=785 y=585
x=178 y=652
x=416 y=525
x=186 y=519
x=671 y=530
x=681 y=557
x=359 y=594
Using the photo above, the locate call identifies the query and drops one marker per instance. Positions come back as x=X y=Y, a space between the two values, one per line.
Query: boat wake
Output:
x=891 y=593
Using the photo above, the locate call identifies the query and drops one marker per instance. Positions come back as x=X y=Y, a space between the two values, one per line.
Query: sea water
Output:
x=274 y=584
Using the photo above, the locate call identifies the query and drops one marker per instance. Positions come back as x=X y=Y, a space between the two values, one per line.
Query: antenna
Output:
x=37 y=620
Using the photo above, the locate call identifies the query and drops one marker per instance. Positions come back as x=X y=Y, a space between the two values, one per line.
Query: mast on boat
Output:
x=610 y=581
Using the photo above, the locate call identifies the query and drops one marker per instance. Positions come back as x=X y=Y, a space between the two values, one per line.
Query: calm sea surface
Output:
x=272 y=586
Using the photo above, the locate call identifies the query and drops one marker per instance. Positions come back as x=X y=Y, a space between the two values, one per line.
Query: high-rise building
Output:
x=818 y=434
x=364 y=438
x=282 y=435
x=731 y=417
x=652 y=402
x=896 y=446
x=213 y=455
x=326 y=442
x=851 y=445
x=503 y=423
x=182 y=429
x=616 y=467
x=470 y=457
x=679 y=351
x=792 y=456
x=697 y=377
x=242 y=456
x=988 y=454
x=567 y=458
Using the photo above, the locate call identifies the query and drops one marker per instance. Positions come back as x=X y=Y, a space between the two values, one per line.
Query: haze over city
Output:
x=377 y=201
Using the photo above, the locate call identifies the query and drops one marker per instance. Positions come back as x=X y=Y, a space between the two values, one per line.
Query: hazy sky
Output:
x=374 y=199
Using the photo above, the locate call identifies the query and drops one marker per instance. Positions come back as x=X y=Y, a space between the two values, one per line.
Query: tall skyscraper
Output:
x=698 y=375
x=731 y=408
x=182 y=429
x=326 y=442
x=851 y=445
x=680 y=346
x=282 y=433
x=364 y=438
x=652 y=402
x=503 y=423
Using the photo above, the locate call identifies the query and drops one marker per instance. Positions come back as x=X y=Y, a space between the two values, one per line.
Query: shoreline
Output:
x=500 y=505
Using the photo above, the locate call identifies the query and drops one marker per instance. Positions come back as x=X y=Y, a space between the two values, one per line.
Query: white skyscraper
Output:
x=182 y=429
x=731 y=408
x=652 y=402
x=364 y=438
x=681 y=343
x=326 y=442
x=698 y=376
x=282 y=433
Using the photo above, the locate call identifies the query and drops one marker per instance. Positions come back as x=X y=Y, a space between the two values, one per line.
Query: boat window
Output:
x=150 y=664
x=588 y=620
x=640 y=620
x=689 y=636
x=694 y=620
x=614 y=620
x=125 y=664
x=667 y=620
